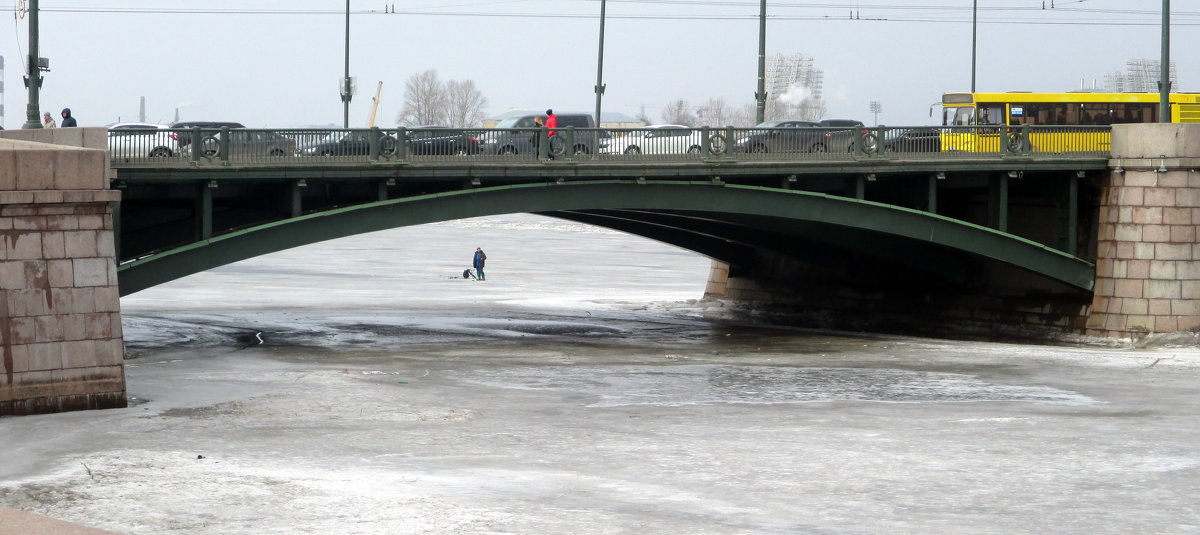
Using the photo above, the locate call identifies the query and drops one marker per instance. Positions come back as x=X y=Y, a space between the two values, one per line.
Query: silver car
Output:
x=141 y=140
x=657 y=139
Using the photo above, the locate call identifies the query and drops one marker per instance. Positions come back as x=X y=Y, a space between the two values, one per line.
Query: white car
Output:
x=141 y=140
x=657 y=139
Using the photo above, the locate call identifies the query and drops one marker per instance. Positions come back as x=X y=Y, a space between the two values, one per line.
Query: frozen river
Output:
x=363 y=386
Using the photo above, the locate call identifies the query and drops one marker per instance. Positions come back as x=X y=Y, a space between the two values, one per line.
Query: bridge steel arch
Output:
x=722 y=221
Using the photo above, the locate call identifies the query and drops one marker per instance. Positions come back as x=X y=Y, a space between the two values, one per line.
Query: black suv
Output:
x=505 y=140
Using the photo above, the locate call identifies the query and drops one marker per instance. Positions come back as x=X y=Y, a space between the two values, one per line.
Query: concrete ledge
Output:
x=90 y=137
x=1154 y=140
x=69 y=196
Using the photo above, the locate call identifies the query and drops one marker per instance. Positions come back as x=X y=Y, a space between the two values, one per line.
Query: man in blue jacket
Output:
x=477 y=262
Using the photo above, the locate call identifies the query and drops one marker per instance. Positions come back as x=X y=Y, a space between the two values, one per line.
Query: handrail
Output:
x=308 y=147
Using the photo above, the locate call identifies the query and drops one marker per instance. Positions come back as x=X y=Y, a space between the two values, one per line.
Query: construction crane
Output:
x=374 y=105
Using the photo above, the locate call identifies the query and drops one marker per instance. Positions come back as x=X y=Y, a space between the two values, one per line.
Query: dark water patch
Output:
x=700 y=384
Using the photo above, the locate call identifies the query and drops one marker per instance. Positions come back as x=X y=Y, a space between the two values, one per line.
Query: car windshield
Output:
x=769 y=124
x=509 y=123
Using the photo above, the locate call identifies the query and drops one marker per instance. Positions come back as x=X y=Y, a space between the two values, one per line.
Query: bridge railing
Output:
x=340 y=147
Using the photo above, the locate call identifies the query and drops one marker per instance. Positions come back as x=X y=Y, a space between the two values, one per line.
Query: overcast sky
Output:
x=276 y=63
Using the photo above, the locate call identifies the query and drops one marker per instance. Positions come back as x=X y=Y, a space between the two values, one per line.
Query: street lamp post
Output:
x=346 y=94
x=600 y=66
x=34 y=72
x=761 y=96
x=974 y=37
x=1164 y=66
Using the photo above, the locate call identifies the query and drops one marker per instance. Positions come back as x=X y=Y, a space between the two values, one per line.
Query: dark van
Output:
x=186 y=137
x=504 y=140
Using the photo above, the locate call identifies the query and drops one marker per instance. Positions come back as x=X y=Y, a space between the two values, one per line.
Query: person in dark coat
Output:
x=478 y=261
x=68 y=120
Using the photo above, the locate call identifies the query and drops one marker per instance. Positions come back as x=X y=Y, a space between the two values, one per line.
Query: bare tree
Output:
x=464 y=104
x=679 y=112
x=641 y=116
x=746 y=115
x=716 y=113
x=424 y=100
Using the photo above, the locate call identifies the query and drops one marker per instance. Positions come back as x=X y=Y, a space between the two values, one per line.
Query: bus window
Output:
x=1096 y=113
x=1016 y=115
x=958 y=116
x=991 y=114
x=1134 y=113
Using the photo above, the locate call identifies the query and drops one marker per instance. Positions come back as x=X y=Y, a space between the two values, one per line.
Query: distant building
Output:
x=1140 y=76
x=788 y=73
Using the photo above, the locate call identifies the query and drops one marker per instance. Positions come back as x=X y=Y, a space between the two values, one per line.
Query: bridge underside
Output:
x=853 y=240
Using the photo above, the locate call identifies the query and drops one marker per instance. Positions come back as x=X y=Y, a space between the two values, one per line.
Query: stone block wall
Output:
x=61 y=345
x=786 y=291
x=1148 y=259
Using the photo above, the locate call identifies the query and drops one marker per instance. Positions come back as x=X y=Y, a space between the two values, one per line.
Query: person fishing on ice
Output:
x=478 y=261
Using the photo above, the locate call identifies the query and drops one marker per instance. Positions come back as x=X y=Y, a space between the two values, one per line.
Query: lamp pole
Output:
x=346 y=96
x=974 y=38
x=761 y=95
x=1164 y=66
x=34 y=72
x=600 y=66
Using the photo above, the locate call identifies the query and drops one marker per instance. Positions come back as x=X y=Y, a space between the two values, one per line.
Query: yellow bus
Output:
x=991 y=112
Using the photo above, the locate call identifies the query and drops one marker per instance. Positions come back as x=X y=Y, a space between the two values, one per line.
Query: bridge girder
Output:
x=724 y=221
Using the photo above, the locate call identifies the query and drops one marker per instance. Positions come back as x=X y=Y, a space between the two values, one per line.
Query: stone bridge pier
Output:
x=1144 y=222
x=60 y=322
x=1148 y=257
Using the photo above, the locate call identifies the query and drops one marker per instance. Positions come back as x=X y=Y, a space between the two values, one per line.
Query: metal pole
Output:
x=600 y=66
x=1164 y=66
x=33 y=117
x=974 y=38
x=761 y=95
x=346 y=79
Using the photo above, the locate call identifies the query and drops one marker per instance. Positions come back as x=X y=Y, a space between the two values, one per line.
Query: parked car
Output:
x=246 y=143
x=440 y=140
x=419 y=140
x=784 y=137
x=505 y=140
x=185 y=138
x=657 y=139
x=339 y=143
x=843 y=140
x=141 y=140
x=914 y=140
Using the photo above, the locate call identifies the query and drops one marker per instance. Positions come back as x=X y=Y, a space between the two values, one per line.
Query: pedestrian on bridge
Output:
x=48 y=121
x=478 y=261
x=551 y=121
x=68 y=120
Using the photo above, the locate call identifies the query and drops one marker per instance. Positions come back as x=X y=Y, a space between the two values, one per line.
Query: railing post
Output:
x=223 y=146
x=729 y=141
x=569 y=143
x=197 y=144
x=857 y=143
x=705 y=143
x=373 y=144
x=543 y=143
x=401 y=143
